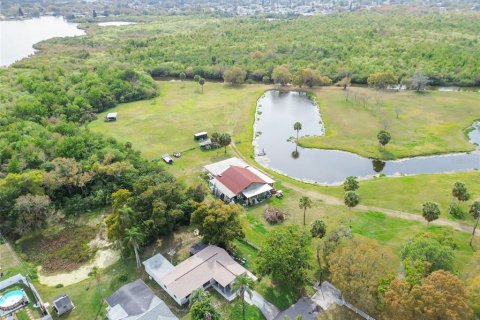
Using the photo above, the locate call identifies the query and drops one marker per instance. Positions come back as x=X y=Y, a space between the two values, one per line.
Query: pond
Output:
x=115 y=23
x=17 y=37
x=275 y=146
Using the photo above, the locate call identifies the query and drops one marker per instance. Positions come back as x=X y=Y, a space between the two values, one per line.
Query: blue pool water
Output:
x=11 y=297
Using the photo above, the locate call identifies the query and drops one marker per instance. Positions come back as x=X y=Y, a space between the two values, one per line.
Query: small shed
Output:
x=206 y=144
x=197 y=247
x=112 y=116
x=62 y=304
x=167 y=158
x=200 y=136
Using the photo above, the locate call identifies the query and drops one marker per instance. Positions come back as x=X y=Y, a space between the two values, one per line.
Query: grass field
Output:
x=408 y=193
x=167 y=123
x=427 y=123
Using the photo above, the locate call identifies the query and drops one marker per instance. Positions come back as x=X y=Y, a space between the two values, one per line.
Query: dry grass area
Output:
x=420 y=123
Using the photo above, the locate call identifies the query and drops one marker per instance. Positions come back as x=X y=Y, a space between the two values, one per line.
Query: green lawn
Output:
x=168 y=122
x=409 y=192
x=428 y=123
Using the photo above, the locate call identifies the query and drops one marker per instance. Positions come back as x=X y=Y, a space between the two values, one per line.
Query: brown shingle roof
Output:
x=238 y=179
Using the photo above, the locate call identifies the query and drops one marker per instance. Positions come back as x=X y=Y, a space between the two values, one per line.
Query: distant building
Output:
x=62 y=304
x=233 y=180
x=136 y=301
x=210 y=267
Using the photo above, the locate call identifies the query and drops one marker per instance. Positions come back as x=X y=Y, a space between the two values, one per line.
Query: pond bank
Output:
x=273 y=130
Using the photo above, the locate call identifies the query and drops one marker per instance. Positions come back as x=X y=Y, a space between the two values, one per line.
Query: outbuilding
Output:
x=200 y=136
x=112 y=116
x=62 y=304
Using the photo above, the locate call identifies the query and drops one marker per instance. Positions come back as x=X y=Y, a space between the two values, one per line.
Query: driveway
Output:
x=269 y=310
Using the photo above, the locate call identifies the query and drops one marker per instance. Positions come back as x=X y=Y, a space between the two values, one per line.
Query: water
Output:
x=115 y=23
x=274 y=134
x=11 y=298
x=18 y=36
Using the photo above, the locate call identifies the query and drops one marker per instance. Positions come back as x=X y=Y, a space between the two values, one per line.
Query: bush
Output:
x=457 y=212
x=274 y=215
x=60 y=285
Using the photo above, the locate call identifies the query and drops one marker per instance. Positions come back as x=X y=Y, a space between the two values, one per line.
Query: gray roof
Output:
x=197 y=247
x=135 y=298
x=63 y=304
x=136 y=301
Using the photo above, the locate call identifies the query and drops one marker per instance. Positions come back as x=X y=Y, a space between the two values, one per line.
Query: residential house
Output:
x=136 y=301
x=210 y=267
x=233 y=180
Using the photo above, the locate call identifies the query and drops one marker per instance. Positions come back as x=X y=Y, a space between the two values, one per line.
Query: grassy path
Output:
x=331 y=200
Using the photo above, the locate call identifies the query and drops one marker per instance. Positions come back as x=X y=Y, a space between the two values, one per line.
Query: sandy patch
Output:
x=103 y=259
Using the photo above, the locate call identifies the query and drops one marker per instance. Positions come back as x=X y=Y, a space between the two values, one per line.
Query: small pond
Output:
x=274 y=136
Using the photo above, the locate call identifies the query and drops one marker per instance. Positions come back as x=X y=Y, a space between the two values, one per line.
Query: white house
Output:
x=235 y=180
x=211 y=267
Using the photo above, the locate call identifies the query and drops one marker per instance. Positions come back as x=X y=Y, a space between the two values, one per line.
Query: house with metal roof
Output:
x=211 y=267
x=136 y=301
x=233 y=180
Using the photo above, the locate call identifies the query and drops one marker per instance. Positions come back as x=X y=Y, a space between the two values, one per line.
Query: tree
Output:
x=318 y=229
x=441 y=296
x=234 y=75
x=418 y=81
x=382 y=80
x=203 y=309
x=201 y=82
x=352 y=199
x=285 y=255
x=430 y=211
x=383 y=138
x=134 y=237
x=198 y=295
x=311 y=78
x=182 y=76
x=459 y=192
x=304 y=203
x=243 y=284
x=350 y=184
x=356 y=268
x=297 y=126
x=32 y=212
x=475 y=213
x=225 y=139
x=424 y=248
x=219 y=223
x=281 y=75
x=196 y=78
x=266 y=80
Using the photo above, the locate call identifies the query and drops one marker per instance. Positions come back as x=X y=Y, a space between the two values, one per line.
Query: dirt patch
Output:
x=65 y=250
x=103 y=259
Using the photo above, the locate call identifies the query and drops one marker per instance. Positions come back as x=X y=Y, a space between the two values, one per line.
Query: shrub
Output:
x=457 y=212
x=274 y=215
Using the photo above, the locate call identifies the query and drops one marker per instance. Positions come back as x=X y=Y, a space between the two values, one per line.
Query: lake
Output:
x=18 y=36
x=274 y=135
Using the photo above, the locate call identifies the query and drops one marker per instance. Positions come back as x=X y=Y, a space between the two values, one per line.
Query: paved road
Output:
x=269 y=310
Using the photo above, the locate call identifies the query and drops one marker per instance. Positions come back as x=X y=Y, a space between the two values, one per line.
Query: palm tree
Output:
x=198 y=295
x=304 y=203
x=475 y=212
x=297 y=126
x=243 y=285
x=134 y=237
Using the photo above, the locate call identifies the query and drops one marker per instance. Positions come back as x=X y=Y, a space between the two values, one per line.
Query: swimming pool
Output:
x=12 y=300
